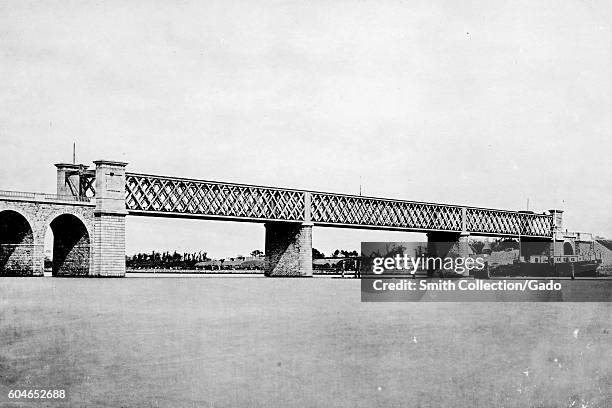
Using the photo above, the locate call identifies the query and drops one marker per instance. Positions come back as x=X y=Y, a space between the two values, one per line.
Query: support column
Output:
x=38 y=262
x=288 y=249
x=556 y=248
x=447 y=244
x=109 y=219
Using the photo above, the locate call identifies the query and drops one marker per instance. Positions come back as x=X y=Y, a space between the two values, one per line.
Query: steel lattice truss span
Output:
x=177 y=197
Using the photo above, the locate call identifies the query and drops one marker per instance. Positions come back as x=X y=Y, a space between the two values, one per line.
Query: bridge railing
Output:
x=58 y=197
x=41 y=196
x=156 y=195
x=17 y=194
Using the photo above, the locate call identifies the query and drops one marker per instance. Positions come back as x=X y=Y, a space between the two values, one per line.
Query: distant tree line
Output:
x=316 y=254
x=173 y=260
x=188 y=260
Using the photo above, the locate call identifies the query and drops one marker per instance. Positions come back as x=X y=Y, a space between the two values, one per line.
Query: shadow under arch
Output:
x=568 y=249
x=16 y=245
x=71 y=246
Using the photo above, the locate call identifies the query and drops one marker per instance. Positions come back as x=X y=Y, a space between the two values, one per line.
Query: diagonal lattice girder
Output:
x=157 y=195
x=508 y=222
x=351 y=210
x=375 y=212
x=154 y=194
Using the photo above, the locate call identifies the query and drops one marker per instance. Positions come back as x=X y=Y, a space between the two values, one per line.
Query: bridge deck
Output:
x=152 y=195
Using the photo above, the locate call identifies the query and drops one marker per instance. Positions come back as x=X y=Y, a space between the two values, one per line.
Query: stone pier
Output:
x=109 y=219
x=447 y=244
x=288 y=249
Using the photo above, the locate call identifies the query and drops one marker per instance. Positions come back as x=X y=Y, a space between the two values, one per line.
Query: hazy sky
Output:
x=483 y=103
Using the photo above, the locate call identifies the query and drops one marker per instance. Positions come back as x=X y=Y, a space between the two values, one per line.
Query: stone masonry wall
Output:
x=109 y=245
x=288 y=249
x=39 y=216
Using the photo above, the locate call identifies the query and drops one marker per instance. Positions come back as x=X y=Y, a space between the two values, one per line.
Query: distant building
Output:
x=235 y=263
x=603 y=249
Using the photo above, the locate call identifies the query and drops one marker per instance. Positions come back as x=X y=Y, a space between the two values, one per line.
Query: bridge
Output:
x=87 y=217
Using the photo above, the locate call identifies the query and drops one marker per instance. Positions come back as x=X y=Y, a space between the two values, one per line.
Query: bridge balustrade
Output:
x=42 y=196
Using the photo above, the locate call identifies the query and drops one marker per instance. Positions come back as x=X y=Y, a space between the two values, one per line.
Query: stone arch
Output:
x=568 y=249
x=53 y=213
x=71 y=246
x=16 y=244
